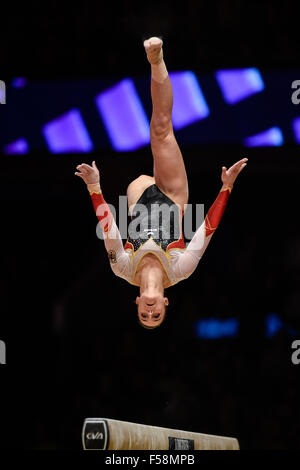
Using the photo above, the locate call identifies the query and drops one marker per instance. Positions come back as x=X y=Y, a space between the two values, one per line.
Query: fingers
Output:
x=243 y=160
x=81 y=169
x=237 y=166
x=94 y=165
x=78 y=174
x=88 y=173
x=242 y=166
x=84 y=168
x=87 y=169
x=230 y=175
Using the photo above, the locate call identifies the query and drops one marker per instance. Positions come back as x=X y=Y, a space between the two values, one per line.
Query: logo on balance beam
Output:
x=95 y=434
x=176 y=443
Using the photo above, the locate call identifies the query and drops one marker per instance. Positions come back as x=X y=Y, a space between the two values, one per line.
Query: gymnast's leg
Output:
x=169 y=169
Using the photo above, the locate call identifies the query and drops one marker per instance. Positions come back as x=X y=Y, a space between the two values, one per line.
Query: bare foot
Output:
x=153 y=47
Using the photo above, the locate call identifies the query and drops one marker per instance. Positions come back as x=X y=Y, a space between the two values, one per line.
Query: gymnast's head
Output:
x=151 y=309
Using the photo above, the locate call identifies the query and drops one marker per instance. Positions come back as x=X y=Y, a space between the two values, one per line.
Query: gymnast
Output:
x=157 y=257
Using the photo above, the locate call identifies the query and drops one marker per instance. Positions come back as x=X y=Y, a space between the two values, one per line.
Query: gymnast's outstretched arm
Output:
x=187 y=262
x=119 y=259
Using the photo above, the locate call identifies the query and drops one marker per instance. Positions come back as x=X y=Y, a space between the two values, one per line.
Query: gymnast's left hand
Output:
x=229 y=176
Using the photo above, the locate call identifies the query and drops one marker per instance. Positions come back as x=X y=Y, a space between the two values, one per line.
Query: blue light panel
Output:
x=189 y=104
x=272 y=137
x=273 y=324
x=18 y=147
x=296 y=129
x=19 y=82
x=67 y=134
x=214 y=328
x=124 y=117
x=238 y=84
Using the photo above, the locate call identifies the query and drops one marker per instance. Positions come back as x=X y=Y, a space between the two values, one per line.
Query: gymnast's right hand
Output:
x=89 y=174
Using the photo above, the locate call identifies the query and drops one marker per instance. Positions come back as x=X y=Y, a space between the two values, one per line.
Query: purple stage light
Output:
x=238 y=84
x=296 y=129
x=272 y=137
x=189 y=102
x=123 y=116
x=67 y=134
x=19 y=82
x=18 y=147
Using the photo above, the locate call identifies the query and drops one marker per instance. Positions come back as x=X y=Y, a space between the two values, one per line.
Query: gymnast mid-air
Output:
x=157 y=257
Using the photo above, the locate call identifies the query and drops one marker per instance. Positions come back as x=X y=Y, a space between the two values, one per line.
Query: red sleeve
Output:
x=102 y=210
x=216 y=212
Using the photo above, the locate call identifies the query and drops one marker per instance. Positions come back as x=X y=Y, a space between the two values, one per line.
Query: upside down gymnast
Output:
x=152 y=262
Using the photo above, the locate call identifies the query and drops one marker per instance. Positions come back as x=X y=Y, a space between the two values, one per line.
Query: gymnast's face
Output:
x=151 y=309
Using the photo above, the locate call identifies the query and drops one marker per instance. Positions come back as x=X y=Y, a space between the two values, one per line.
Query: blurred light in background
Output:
x=189 y=103
x=296 y=129
x=67 y=134
x=124 y=123
x=19 y=82
x=124 y=117
x=238 y=84
x=272 y=137
x=18 y=147
x=273 y=324
x=214 y=328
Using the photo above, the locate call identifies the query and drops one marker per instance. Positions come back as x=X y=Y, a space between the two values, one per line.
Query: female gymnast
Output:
x=157 y=258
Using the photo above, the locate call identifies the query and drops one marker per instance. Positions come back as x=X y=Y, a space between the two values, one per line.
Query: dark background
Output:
x=74 y=347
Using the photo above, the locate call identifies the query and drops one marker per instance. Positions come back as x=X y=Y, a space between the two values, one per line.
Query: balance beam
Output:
x=110 y=434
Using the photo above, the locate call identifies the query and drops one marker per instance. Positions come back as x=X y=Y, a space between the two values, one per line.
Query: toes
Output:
x=153 y=43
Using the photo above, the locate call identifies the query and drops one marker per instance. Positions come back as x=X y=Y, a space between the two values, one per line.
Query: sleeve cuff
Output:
x=225 y=189
x=94 y=188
